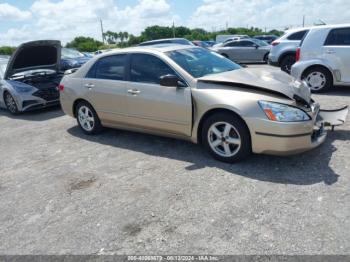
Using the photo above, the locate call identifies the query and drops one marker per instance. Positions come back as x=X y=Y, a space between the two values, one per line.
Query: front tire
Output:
x=10 y=103
x=318 y=79
x=88 y=119
x=226 y=137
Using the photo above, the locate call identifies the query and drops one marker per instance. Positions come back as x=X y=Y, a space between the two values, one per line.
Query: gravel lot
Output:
x=123 y=193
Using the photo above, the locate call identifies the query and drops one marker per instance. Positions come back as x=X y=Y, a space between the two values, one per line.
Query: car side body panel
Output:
x=180 y=112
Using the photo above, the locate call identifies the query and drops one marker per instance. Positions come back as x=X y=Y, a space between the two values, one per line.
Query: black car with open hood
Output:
x=32 y=76
x=43 y=54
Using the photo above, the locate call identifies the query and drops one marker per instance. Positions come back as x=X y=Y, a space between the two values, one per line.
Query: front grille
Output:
x=48 y=94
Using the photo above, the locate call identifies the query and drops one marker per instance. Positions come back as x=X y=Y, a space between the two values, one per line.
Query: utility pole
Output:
x=173 y=29
x=103 y=35
x=303 y=20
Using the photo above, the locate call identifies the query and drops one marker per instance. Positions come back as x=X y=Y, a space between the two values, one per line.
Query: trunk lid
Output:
x=269 y=80
x=35 y=55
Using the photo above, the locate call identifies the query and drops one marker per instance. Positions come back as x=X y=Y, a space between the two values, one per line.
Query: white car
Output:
x=323 y=59
x=282 y=53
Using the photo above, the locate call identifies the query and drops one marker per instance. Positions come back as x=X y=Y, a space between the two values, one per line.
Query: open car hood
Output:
x=43 y=54
x=268 y=80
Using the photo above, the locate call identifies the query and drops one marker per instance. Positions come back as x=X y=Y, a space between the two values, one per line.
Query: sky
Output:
x=25 y=20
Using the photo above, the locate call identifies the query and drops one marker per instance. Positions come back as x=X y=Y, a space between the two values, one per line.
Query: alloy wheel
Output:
x=224 y=139
x=86 y=118
x=10 y=103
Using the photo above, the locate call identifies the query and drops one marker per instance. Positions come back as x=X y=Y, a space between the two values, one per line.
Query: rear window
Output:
x=297 y=36
x=340 y=36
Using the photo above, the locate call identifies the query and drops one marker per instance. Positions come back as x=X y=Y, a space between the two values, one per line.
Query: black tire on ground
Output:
x=327 y=78
x=240 y=127
x=287 y=62
x=95 y=123
x=10 y=103
x=266 y=58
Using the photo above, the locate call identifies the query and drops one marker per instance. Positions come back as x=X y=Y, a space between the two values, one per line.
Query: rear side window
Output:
x=339 y=36
x=110 y=67
x=148 y=69
x=246 y=43
x=232 y=44
x=297 y=36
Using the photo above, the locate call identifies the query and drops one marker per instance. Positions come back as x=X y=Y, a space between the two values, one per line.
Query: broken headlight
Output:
x=283 y=113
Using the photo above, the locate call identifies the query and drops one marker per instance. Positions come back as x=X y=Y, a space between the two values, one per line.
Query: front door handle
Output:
x=330 y=51
x=89 y=85
x=134 y=91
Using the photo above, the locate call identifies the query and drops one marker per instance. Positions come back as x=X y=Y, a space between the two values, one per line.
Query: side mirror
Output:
x=172 y=80
x=256 y=46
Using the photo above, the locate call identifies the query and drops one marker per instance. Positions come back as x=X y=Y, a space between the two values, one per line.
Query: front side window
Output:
x=297 y=36
x=199 y=62
x=148 y=69
x=339 y=36
x=109 y=67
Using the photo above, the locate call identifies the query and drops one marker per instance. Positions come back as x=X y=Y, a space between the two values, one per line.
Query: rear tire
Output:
x=226 y=137
x=88 y=119
x=318 y=79
x=10 y=103
x=287 y=62
x=266 y=58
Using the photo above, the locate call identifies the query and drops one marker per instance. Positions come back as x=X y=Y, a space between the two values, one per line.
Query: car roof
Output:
x=163 y=39
x=161 y=48
x=330 y=26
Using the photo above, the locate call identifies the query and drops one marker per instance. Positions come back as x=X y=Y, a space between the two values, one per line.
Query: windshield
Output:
x=199 y=62
x=68 y=53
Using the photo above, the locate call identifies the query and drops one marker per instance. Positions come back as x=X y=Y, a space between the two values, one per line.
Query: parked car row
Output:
x=181 y=91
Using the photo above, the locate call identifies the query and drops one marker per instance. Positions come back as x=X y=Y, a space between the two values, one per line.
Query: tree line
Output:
x=124 y=39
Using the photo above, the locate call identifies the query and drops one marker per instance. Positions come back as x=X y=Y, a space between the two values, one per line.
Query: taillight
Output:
x=274 y=43
x=297 y=55
x=61 y=88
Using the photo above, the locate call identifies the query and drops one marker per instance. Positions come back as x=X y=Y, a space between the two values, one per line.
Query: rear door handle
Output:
x=89 y=85
x=134 y=91
x=330 y=51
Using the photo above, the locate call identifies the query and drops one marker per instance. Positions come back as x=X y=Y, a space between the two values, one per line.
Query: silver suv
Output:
x=324 y=58
x=283 y=49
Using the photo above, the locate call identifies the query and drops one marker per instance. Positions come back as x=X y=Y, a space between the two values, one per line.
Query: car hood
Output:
x=43 y=54
x=268 y=80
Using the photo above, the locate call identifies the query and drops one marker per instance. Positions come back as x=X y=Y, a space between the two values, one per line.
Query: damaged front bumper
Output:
x=279 y=138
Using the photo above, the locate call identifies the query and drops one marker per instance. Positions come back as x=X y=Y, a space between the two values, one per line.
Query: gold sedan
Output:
x=195 y=94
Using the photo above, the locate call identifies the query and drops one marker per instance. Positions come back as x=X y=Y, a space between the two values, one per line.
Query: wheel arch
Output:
x=211 y=112
x=318 y=66
x=76 y=102
x=287 y=53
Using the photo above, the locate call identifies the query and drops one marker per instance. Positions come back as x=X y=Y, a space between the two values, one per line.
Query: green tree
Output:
x=7 y=50
x=84 y=44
